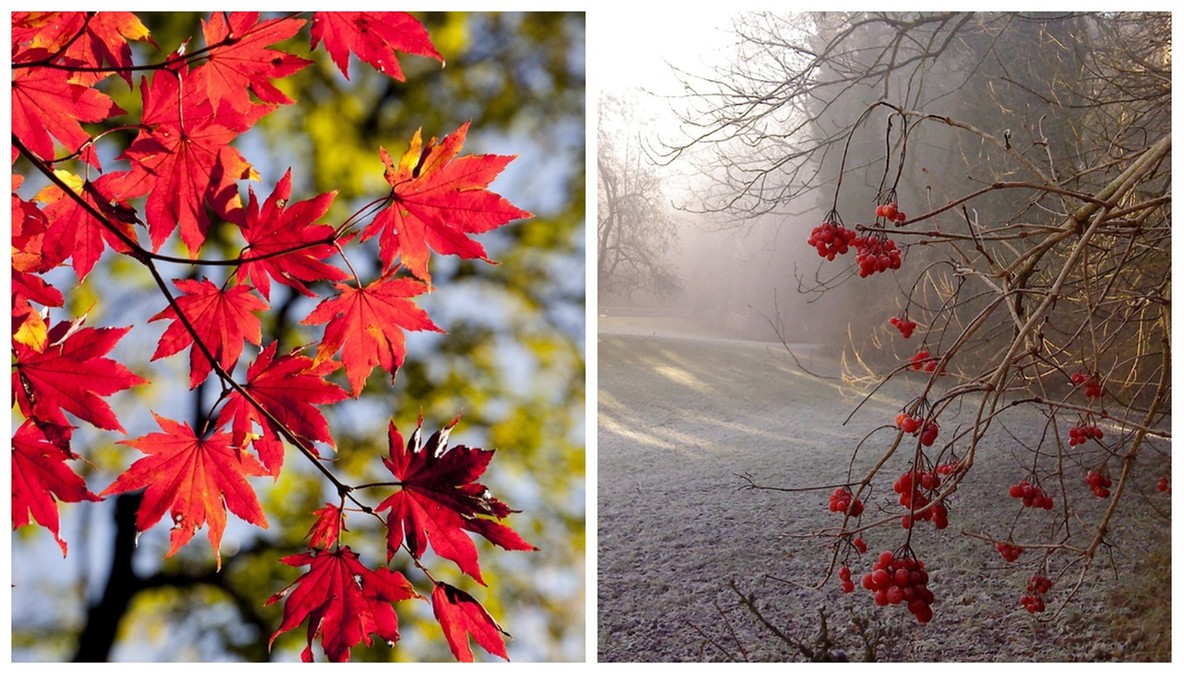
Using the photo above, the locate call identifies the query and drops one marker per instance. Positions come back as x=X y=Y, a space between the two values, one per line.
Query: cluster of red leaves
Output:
x=178 y=177
x=436 y=501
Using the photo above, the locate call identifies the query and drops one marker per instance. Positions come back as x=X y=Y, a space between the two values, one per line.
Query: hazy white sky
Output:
x=633 y=46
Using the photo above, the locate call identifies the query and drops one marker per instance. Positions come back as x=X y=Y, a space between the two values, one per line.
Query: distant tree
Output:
x=635 y=229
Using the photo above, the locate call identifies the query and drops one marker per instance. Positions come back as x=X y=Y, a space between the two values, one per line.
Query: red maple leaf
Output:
x=46 y=103
x=289 y=387
x=222 y=320
x=29 y=226
x=71 y=374
x=460 y=615
x=367 y=325
x=105 y=40
x=343 y=600
x=437 y=201
x=239 y=59
x=80 y=39
x=374 y=36
x=282 y=242
x=74 y=232
x=41 y=478
x=37 y=35
x=195 y=479
x=328 y=526
x=438 y=500
x=183 y=159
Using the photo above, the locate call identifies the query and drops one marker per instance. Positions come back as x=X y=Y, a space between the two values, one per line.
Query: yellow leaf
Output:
x=33 y=332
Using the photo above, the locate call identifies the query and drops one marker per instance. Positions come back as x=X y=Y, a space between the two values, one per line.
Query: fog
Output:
x=1030 y=154
x=751 y=277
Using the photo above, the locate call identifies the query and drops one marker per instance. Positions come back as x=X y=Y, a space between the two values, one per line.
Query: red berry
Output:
x=940 y=520
x=929 y=434
x=830 y=239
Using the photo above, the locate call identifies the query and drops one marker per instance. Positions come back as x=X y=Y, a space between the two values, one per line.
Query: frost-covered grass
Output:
x=680 y=418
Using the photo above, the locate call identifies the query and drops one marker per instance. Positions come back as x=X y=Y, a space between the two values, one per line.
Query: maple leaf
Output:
x=289 y=387
x=79 y=39
x=28 y=325
x=460 y=615
x=182 y=159
x=437 y=201
x=328 y=526
x=222 y=320
x=195 y=479
x=374 y=37
x=438 y=500
x=282 y=242
x=29 y=226
x=73 y=232
x=343 y=600
x=37 y=35
x=105 y=40
x=367 y=325
x=71 y=374
x=238 y=59
x=46 y=103
x=41 y=478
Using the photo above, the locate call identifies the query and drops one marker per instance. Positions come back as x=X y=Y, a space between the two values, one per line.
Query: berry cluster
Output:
x=909 y=486
x=1010 y=552
x=903 y=325
x=914 y=425
x=1090 y=384
x=1163 y=485
x=895 y=580
x=1033 y=495
x=876 y=253
x=1099 y=482
x=1082 y=433
x=831 y=239
x=891 y=213
x=908 y=423
x=923 y=361
x=842 y=501
x=1033 y=600
x=845 y=577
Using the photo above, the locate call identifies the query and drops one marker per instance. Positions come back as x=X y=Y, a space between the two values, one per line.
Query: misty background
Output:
x=723 y=140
